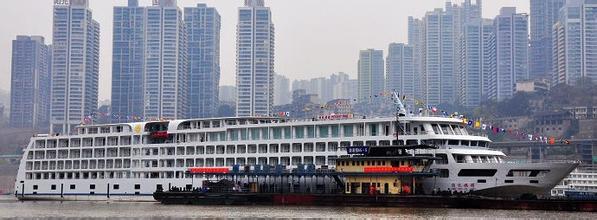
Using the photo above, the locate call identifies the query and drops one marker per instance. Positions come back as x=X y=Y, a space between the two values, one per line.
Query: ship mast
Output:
x=400 y=111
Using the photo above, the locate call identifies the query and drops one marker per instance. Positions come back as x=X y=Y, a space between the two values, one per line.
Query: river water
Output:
x=10 y=208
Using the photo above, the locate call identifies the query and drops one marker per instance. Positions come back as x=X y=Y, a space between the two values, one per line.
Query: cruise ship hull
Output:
x=502 y=184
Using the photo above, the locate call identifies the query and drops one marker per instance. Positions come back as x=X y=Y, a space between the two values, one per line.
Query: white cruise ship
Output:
x=583 y=181
x=130 y=161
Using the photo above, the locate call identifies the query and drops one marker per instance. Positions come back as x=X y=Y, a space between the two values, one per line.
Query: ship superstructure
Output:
x=130 y=161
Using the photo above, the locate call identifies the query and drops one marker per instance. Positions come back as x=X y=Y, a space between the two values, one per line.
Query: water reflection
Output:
x=10 y=208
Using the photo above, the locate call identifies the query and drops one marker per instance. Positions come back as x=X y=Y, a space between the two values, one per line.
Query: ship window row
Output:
x=365 y=163
x=582 y=182
x=79 y=153
x=250 y=148
x=264 y=133
x=527 y=173
x=218 y=123
x=462 y=158
x=477 y=172
x=103 y=129
x=445 y=129
x=260 y=148
x=585 y=188
x=79 y=164
x=277 y=133
x=323 y=131
x=231 y=161
x=591 y=176
x=78 y=175
x=92 y=187
x=442 y=142
x=87 y=142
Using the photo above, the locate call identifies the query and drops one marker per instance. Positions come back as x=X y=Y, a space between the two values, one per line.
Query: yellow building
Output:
x=383 y=175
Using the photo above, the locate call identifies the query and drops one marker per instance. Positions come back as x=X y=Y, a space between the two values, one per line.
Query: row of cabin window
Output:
x=88 y=142
x=354 y=143
x=449 y=129
x=440 y=142
x=241 y=149
x=75 y=154
x=300 y=132
x=319 y=146
x=362 y=163
x=262 y=148
x=79 y=175
x=79 y=164
x=255 y=134
x=91 y=187
x=211 y=162
x=103 y=130
x=324 y=131
x=217 y=123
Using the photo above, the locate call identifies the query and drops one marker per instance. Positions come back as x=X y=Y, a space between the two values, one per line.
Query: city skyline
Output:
x=290 y=58
x=135 y=95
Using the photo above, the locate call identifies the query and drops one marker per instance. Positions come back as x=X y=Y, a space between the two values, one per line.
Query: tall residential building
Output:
x=489 y=68
x=165 y=62
x=370 y=74
x=438 y=57
x=128 y=63
x=415 y=40
x=282 y=94
x=575 y=42
x=75 y=65
x=321 y=86
x=400 y=74
x=254 y=60
x=203 y=36
x=343 y=87
x=30 y=83
x=151 y=76
x=346 y=90
x=544 y=14
x=337 y=86
x=436 y=40
x=463 y=14
x=511 y=37
x=467 y=12
x=476 y=62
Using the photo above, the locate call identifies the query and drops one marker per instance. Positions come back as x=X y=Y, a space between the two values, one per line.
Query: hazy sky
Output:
x=313 y=37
